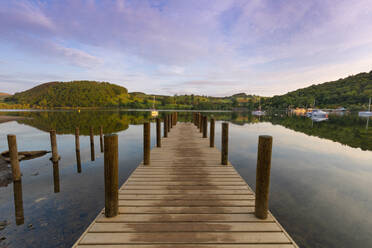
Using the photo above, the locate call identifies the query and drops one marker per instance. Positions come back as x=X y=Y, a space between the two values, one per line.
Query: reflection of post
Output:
x=18 y=202
x=91 y=144
x=13 y=155
x=56 y=177
x=101 y=138
x=77 y=148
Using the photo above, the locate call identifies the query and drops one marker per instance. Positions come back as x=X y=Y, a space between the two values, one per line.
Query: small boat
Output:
x=318 y=115
x=24 y=155
x=258 y=112
x=366 y=113
x=154 y=112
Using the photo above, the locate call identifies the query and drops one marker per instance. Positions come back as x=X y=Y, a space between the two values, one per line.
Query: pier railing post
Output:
x=13 y=155
x=91 y=144
x=225 y=143
x=165 y=127
x=158 y=132
x=205 y=126
x=77 y=150
x=111 y=175
x=146 y=143
x=211 y=135
x=101 y=138
x=263 y=176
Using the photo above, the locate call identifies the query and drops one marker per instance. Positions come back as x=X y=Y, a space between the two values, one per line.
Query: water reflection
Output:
x=18 y=202
x=320 y=189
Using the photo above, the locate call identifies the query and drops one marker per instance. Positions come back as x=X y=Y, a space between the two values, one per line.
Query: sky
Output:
x=215 y=47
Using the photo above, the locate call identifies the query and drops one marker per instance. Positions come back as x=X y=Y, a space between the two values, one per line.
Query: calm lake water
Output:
x=321 y=179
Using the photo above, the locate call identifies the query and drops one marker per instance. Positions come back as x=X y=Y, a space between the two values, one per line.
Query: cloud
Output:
x=259 y=46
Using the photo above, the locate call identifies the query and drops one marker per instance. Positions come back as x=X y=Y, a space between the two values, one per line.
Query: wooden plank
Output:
x=186 y=203
x=185 y=210
x=185 y=192
x=186 y=227
x=189 y=246
x=187 y=183
x=185 y=237
x=186 y=187
x=185 y=197
x=183 y=218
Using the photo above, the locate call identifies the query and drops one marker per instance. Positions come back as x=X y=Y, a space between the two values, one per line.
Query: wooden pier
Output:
x=185 y=198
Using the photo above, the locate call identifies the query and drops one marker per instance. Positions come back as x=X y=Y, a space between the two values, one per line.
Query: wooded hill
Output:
x=351 y=92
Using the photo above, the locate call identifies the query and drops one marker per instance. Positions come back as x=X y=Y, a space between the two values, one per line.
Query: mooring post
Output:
x=101 y=138
x=263 y=176
x=205 y=127
x=111 y=160
x=77 y=149
x=165 y=127
x=211 y=131
x=171 y=120
x=225 y=143
x=158 y=132
x=18 y=202
x=13 y=155
x=176 y=119
x=146 y=143
x=91 y=144
x=53 y=143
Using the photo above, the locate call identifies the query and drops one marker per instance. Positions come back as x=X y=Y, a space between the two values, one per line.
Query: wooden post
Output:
x=211 y=135
x=201 y=125
x=171 y=120
x=205 y=127
x=13 y=155
x=168 y=123
x=91 y=144
x=146 y=143
x=158 y=132
x=165 y=127
x=18 y=202
x=225 y=143
x=111 y=158
x=101 y=138
x=53 y=143
x=197 y=120
x=263 y=176
x=56 y=177
x=77 y=149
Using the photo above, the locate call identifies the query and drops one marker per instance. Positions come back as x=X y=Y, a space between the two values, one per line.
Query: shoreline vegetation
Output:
x=352 y=93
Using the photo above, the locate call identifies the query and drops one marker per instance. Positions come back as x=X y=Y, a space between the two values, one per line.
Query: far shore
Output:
x=5 y=118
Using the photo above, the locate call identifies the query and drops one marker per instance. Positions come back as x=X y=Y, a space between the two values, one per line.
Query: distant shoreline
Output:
x=5 y=118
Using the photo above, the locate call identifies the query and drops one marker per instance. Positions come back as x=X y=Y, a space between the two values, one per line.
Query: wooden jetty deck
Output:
x=185 y=198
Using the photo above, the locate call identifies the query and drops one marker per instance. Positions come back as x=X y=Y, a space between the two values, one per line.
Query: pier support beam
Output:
x=146 y=143
x=225 y=143
x=263 y=176
x=111 y=175
x=13 y=155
